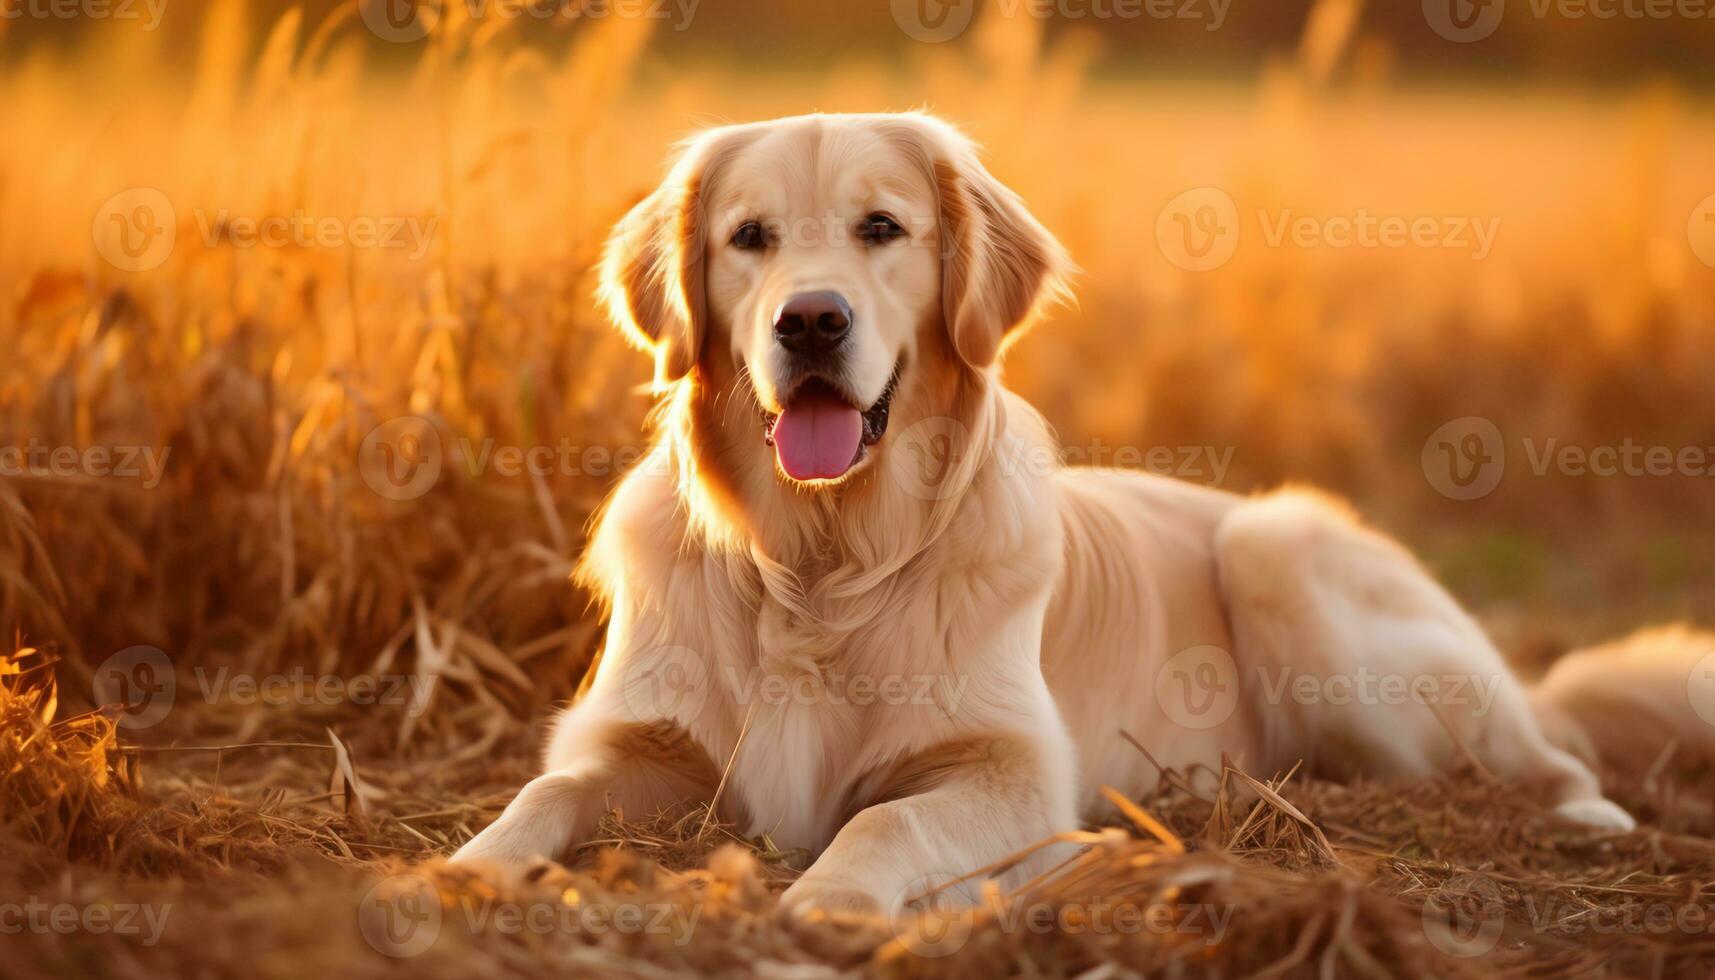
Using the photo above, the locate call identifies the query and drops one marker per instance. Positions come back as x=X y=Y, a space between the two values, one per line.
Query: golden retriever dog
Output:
x=856 y=604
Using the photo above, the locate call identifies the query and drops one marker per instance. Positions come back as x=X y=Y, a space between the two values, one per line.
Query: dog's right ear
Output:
x=652 y=266
x=1000 y=267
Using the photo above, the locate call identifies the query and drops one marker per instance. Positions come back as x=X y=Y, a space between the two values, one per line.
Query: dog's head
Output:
x=832 y=265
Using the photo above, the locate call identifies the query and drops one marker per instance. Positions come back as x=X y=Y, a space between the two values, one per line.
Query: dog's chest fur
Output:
x=818 y=686
x=818 y=729
x=830 y=707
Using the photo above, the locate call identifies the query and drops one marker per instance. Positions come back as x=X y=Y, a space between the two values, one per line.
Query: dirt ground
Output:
x=300 y=853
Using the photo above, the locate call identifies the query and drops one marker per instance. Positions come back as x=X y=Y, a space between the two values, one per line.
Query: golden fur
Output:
x=960 y=627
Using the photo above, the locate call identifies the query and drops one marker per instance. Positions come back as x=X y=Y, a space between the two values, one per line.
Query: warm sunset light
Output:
x=504 y=486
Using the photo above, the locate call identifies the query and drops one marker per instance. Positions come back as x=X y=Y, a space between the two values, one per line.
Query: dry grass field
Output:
x=229 y=251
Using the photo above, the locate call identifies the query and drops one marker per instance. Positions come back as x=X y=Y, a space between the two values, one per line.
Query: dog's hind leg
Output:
x=595 y=761
x=1364 y=665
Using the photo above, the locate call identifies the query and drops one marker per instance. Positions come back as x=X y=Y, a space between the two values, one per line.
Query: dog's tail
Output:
x=1624 y=703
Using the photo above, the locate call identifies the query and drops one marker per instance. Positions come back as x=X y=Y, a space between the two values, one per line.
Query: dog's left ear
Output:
x=999 y=266
x=652 y=266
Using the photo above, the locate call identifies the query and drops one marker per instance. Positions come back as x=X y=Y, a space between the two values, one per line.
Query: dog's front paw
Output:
x=816 y=896
x=500 y=845
x=1596 y=813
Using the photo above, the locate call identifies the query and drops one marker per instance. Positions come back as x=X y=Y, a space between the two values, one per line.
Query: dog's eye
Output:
x=879 y=229
x=750 y=235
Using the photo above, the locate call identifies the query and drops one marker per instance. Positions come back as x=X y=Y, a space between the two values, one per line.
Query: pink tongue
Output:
x=816 y=437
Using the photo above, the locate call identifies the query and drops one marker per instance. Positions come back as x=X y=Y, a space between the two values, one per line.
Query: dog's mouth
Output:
x=820 y=434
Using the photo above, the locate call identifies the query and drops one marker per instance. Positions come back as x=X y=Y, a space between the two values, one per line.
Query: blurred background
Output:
x=1429 y=256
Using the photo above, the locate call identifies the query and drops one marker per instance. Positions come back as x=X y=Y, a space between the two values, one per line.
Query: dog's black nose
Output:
x=813 y=323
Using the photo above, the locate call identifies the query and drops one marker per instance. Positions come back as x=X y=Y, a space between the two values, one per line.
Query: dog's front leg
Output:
x=600 y=756
x=953 y=810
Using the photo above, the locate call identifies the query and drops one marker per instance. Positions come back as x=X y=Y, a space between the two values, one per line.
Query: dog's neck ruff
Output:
x=831 y=557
